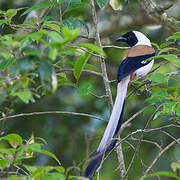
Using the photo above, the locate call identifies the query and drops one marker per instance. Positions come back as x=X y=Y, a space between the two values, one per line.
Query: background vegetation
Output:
x=58 y=65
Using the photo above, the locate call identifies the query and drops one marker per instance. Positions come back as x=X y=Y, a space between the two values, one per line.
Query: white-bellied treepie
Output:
x=133 y=66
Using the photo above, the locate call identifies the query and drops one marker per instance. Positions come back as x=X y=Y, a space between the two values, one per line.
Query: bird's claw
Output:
x=135 y=89
x=148 y=85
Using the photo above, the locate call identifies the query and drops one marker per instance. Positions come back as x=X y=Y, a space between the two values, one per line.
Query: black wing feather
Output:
x=131 y=64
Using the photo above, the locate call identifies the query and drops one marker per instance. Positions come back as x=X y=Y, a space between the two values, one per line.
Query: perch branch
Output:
x=52 y=112
x=107 y=84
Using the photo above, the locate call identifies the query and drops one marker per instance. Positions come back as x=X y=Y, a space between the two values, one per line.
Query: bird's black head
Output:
x=130 y=38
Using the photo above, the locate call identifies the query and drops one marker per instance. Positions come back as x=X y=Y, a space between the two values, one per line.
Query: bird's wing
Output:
x=131 y=64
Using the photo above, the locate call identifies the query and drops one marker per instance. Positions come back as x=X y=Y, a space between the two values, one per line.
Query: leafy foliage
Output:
x=15 y=156
x=45 y=53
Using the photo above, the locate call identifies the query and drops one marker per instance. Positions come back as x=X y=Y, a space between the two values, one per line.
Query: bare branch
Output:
x=147 y=141
x=52 y=112
x=84 y=70
x=159 y=15
x=102 y=61
x=117 y=47
x=141 y=137
x=160 y=154
x=85 y=50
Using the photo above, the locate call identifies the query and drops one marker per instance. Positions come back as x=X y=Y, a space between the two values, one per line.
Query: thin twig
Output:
x=102 y=61
x=97 y=96
x=161 y=128
x=117 y=47
x=52 y=112
x=84 y=70
x=147 y=141
x=85 y=50
x=169 y=135
x=121 y=161
x=141 y=137
x=60 y=14
x=160 y=154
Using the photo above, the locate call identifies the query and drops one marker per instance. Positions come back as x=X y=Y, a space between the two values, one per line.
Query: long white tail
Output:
x=115 y=115
x=112 y=129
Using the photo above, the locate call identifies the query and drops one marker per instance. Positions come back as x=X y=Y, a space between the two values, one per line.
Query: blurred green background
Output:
x=70 y=137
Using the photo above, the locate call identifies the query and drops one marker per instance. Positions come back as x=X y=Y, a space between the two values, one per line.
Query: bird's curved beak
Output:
x=121 y=39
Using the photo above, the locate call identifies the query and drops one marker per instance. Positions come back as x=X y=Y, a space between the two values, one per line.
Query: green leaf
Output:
x=169 y=174
x=53 y=53
x=3 y=163
x=60 y=169
x=33 y=52
x=48 y=77
x=4 y=21
x=164 y=50
x=175 y=166
x=85 y=88
x=52 y=25
x=73 y=23
x=59 y=2
x=62 y=75
x=79 y=65
x=75 y=4
x=61 y=84
x=5 y=55
x=33 y=147
x=46 y=172
x=163 y=45
x=92 y=47
x=14 y=177
x=170 y=57
x=56 y=37
x=49 y=154
x=178 y=110
x=5 y=64
x=159 y=78
x=101 y=3
x=69 y=51
x=175 y=36
x=40 y=172
x=169 y=108
x=157 y=115
x=41 y=5
x=13 y=139
x=25 y=96
x=118 y=4
x=156 y=46
x=78 y=178
x=92 y=67
x=159 y=95
x=54 y=176
x=11 y=13
x=70 y=34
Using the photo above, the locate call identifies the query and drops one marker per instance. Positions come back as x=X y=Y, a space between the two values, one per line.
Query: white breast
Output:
x=141 y=72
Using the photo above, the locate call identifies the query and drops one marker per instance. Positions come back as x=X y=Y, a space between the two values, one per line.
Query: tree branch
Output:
x=52 y=112
x=102 y=60
x=160 y=154
x=159 y=15
x=141 y=137
x=106 y=83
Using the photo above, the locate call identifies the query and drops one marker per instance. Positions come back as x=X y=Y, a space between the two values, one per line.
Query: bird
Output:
x=133 y=67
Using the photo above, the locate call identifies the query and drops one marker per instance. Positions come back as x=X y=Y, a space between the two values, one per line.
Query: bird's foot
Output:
x=148 y=85
x=135 y=89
